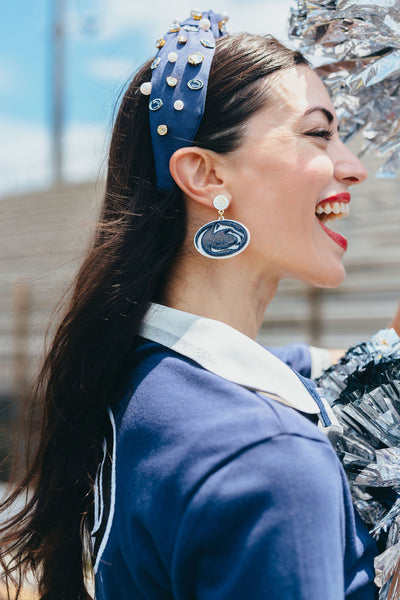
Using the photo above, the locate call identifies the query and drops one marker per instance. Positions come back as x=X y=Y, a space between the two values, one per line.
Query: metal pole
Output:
x=21 y=297
x=315 y=315
x=58 y=89
x=21 y=300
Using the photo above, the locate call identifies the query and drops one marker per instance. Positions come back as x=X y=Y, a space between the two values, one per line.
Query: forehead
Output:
x=294 y=91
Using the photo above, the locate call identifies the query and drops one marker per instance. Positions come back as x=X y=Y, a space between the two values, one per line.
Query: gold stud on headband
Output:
x=162 y=130
x=195 y=58
x=205 y=24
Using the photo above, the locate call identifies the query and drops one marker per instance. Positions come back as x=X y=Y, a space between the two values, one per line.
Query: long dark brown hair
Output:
x=139 y=234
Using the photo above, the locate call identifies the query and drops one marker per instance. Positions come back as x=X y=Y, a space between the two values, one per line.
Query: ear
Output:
x=199 y=173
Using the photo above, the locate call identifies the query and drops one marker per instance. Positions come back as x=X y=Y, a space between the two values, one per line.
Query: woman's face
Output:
x=290 y=163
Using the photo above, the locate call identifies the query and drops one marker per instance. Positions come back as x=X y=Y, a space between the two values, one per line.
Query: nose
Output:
x=348 y=169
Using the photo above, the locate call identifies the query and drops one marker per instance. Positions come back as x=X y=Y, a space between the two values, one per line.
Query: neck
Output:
x=227 y=290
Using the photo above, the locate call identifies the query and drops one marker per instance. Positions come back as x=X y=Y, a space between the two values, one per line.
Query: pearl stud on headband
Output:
x=145 y=88
x=178 y=86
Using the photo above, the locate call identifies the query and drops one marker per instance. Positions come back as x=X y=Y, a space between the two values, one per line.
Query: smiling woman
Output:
x=289 y=172
x=180 y=454
x=294 y=164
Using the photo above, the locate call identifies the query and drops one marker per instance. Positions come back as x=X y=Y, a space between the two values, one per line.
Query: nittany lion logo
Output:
x=221 y=239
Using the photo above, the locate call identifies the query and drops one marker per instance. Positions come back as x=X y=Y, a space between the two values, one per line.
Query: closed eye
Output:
x=324 y=133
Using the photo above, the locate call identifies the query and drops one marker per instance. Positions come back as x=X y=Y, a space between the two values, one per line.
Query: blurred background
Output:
x=63 y=66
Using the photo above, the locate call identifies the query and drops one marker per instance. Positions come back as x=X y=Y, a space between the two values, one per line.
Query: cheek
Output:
x=302 y=185
x=293 y=189
x=320 y=168
x=280 y=186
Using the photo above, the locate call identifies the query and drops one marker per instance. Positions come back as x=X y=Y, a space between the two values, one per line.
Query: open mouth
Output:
x=331 y=209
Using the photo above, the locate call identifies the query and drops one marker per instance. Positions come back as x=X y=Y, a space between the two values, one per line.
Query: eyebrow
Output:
x=322 y=109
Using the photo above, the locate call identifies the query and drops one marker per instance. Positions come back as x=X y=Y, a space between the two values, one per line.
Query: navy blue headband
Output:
x=179 y=85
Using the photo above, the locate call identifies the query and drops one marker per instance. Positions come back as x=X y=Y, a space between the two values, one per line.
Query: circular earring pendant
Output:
x=222 y=239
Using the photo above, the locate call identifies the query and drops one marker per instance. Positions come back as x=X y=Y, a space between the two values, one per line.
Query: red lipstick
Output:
x=339 y=239
x=336 y=237
x=344 y=197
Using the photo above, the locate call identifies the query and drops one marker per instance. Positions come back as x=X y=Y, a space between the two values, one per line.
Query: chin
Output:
x=324 y=272
x=331 y=278
x=328 y=275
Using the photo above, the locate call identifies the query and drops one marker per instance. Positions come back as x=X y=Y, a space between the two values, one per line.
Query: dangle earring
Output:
x=221 y=238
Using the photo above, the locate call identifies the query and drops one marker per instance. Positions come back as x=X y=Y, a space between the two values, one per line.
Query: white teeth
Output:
x=337 y=208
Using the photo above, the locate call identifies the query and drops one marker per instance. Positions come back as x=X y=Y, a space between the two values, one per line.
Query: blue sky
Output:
x=106 y=40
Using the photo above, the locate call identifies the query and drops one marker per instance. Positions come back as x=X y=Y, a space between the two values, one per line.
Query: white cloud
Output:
x=105 y=68
x=86 y=148
x=25 y=155
x=255 y=16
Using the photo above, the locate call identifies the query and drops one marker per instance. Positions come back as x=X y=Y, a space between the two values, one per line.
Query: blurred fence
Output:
x=42 y=237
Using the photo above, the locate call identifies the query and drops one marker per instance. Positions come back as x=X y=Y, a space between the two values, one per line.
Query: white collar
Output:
x=228 y=353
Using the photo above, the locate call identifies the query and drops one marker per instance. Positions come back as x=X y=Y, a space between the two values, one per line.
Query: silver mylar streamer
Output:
x=363 y=389
x=358 y=44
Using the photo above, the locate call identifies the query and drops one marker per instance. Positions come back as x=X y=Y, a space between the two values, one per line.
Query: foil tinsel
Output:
x=363 y=389
x=357 y=45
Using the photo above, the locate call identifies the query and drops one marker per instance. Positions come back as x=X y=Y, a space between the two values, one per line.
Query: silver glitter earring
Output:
x=222 y=238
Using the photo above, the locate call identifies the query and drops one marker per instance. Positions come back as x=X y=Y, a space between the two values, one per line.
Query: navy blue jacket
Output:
x=221 y=493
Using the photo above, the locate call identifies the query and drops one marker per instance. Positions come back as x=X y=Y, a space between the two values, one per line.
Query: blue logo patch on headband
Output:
x=179 y=86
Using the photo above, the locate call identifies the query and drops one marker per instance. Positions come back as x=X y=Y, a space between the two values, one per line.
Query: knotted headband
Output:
x=179 y=86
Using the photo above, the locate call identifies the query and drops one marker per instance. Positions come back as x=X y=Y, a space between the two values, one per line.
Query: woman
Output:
x=189 y=454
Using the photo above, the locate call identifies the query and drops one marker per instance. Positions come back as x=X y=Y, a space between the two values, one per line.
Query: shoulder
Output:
x=169 y=392
x=191 y=422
